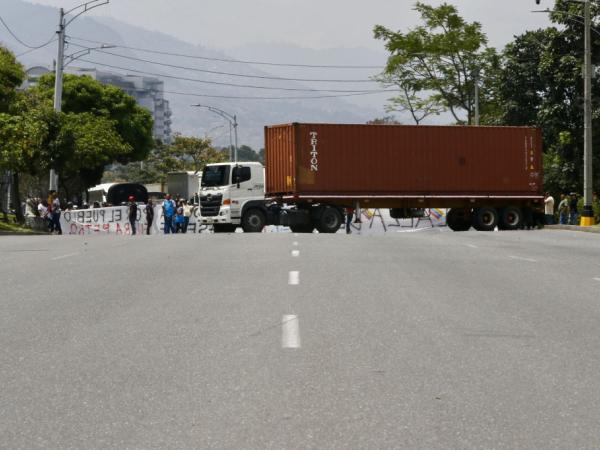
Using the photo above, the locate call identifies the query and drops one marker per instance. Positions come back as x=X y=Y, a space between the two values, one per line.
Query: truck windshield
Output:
x=215 y=176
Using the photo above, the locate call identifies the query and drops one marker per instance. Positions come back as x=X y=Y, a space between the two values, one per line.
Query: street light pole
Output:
x=587 y=215
x=58 y=77
x=60 y=63
x=232 y=119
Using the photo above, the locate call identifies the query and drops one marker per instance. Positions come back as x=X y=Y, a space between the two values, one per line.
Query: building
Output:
x=148 y=92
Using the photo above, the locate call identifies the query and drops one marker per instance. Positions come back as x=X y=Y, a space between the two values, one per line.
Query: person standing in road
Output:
x=187 y=213
x=168 y=207
x=56 y=212
x=149 y=215
x=549 y=209
x=573 y=211
x=179 y=217
x=132 y=213
x=349 y=215
x=563 y=210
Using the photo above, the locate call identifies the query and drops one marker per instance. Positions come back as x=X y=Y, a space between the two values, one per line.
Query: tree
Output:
x=541 y=84
x=387 y=120
x=435 y=65
x=82 y=94
x=195 y=152
x=21 y=139
x=246 y=153
x=11 y=77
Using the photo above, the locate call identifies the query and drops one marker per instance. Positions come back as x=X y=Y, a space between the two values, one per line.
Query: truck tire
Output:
x=459 y=219
x=253 y=221
x=302 y=228
x=485 y=219
x=224 y=228
x=511 y=218
x=330 y=220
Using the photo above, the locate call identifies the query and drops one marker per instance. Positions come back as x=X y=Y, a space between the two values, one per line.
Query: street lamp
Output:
x=86 y=51
x=232 y=123
x=587 y=215
x=60 y=60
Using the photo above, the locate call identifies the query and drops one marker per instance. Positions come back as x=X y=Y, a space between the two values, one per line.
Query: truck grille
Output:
x=210 y=205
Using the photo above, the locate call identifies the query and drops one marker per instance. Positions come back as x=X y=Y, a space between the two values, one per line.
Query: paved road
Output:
x=407 y=340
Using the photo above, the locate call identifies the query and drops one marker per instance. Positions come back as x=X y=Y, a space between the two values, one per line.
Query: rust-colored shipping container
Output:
x=396 y=165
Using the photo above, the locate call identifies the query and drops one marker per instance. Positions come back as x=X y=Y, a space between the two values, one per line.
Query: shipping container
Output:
x=393 y=165
x=487 y=177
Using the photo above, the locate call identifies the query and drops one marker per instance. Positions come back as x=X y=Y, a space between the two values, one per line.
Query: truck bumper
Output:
x=224 y=217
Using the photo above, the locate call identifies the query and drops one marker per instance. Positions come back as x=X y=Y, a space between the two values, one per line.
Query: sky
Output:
x=308 y=23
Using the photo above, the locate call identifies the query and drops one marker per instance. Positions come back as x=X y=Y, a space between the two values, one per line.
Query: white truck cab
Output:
x=227 y=193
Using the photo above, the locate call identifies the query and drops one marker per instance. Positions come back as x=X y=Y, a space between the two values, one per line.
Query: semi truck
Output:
x=486 y=177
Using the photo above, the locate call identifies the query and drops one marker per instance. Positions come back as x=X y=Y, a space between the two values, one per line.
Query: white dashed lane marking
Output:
x=290 y=331
x=295 y=243
x=471 y=245
x=295 y=253
x=56 y=258
x=597 y=279
x=294 y=277
x=520 y=258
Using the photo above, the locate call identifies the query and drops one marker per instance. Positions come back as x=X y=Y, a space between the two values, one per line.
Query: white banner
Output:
x=115 y=220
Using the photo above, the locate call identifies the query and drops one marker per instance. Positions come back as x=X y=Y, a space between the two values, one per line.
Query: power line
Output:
x=238 y=61
x=195 y=69
x=313 y=97
x=33 y=47
x=196 y=80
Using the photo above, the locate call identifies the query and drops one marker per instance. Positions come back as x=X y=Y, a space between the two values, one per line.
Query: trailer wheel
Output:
x=329 y=221
x=224 y=228
x=511 y=218
x=485 y=219
x=459 y=219
x=302 y=228
x=253 y=221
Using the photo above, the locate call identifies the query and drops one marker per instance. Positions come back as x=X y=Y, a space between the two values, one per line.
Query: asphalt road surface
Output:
x=426 y=339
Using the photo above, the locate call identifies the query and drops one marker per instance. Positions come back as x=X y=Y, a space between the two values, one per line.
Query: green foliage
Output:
x=246 y=153
x=11 y=77
x=194 y=152
x=435 y=65
x=541 y=84
x=82 y=94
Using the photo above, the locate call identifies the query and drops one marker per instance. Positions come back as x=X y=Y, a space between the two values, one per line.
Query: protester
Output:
x=573 y=210
x=132 y=210
x=563 y=210
x=349 y=214
x=44 y=213
x=56 y=212
x=549 y=209
x=149 y=215
x=187 y=213
x=168 y=207
x=179 y=218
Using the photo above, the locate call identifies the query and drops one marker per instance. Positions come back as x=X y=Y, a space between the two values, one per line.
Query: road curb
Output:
x=573 y=228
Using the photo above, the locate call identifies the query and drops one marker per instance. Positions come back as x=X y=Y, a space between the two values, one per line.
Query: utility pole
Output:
x=58 y=84
x=587 y=216
x=60 y=61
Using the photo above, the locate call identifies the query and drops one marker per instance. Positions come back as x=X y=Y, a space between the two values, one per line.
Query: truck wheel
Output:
x=224 y=228
x=330 y=220
x=302 y=228
x=253 y=221
x=485 y=219
x=511 y=218
x=459 y=219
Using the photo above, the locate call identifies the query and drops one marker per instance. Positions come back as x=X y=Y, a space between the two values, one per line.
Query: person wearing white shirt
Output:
x=549 y=209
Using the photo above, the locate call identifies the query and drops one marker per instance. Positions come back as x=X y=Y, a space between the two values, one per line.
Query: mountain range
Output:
x=36 y=24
